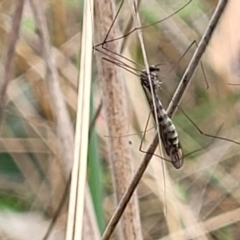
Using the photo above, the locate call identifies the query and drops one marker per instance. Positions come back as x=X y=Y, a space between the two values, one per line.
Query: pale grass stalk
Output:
x=77 y=192
x=137 y=24
x=128 y=27
x=33 y=180
x=63 y=124
x=36 y=70
x=20 y=156
x=35 y=73
x=172 y=107
x=11 y=45
x=177 y=214
x=36 y=145
x=185 y=213
x=13 y=91
x=212 y=224
x=23 y=145
x=59 y=16
x=46 y=144
x=64 y=127
x=115 y=107
x=90 y=230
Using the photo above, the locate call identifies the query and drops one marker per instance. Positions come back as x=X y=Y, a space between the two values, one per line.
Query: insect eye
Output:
x=154 y=68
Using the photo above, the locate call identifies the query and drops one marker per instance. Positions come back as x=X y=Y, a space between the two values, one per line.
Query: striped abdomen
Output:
x=168 y=131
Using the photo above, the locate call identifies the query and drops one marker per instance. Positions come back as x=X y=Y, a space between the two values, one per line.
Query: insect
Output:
x=176 y=153
x=168 y=133
x=208 y=121
x=206 y=117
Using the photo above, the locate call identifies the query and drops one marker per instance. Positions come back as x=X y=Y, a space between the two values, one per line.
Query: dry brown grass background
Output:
x=199 y=201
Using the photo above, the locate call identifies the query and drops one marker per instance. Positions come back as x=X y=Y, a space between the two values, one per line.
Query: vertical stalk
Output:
x=115 y=107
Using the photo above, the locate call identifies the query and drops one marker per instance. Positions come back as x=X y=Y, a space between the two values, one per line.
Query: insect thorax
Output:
x=153 y=77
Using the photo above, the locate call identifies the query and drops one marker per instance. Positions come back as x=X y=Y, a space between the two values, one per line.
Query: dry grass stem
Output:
x=64 y=126
x=63 y=123
x=182 y=87
x=137 y=24
x=209 y=225
x=115 y=106
x=90 y=228
x=11 y=45
x=76 y=216
x=128 y=27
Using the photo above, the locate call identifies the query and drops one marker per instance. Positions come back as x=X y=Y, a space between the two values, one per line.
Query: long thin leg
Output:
x=106 y=40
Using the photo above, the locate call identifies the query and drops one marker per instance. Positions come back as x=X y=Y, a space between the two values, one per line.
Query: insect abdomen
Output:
x=169 y=137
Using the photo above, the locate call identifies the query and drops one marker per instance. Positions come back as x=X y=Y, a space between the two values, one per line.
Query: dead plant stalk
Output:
x=8 y=63
x=115 y=106
x=63 y=124
x=64 y=127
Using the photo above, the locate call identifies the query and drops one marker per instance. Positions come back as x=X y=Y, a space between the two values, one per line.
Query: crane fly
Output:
x=168 y=133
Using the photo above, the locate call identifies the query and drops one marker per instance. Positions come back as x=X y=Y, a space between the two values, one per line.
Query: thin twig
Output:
x=185 y=80
x=172 y=107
